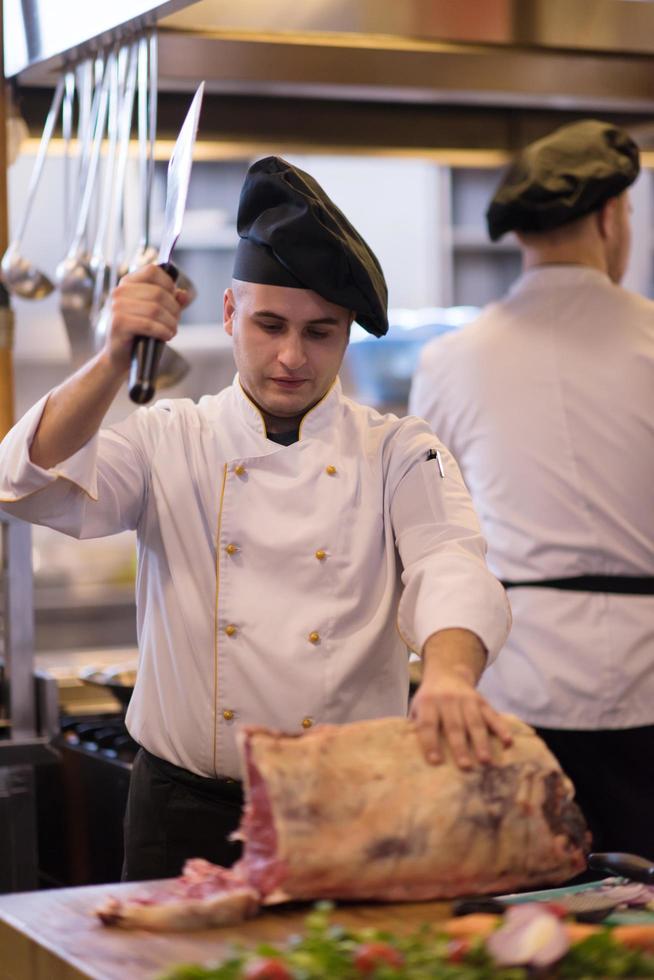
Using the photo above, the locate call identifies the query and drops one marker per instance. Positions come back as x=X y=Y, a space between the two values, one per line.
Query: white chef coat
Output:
x=547 y=403
x=269 y=585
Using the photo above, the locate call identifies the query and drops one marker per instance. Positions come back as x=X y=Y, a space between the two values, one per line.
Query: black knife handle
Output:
x=483 y=903
x=627 y=865
x=146 y=354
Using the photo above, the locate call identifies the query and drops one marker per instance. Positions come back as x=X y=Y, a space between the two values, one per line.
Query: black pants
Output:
x=173 y=815
x=613 y=774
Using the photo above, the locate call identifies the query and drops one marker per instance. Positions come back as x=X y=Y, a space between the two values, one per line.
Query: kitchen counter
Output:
x=53 y=935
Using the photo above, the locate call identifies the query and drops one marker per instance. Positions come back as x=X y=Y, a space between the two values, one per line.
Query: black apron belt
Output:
x=610 y=584
x=229 y=790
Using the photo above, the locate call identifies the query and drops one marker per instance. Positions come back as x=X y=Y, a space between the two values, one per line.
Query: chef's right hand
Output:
x=447 y=708
x=145 y=303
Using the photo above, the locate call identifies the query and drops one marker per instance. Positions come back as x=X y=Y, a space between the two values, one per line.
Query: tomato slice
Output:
x=267 y=969
x=457 y=950
x=369 y=956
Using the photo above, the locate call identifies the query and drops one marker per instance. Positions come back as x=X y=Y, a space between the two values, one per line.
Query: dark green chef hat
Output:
x=292 y=234
x=563 y=176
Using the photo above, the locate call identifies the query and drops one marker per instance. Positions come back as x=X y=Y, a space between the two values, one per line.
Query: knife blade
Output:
x=588 y=902
x=146 y=351
x=584 y=906
x=627 y=865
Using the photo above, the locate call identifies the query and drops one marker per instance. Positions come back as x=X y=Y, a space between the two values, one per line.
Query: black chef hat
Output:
x=563 y=176
x=292 y=234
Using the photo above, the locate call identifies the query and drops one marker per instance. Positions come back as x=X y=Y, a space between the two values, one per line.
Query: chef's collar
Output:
x=558 y=276
x=315 y=421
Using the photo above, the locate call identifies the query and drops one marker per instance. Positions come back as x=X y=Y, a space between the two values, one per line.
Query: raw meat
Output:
x=355 y=812
x=204 y=896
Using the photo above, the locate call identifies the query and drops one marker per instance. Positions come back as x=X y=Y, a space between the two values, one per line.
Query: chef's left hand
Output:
x=447 y=706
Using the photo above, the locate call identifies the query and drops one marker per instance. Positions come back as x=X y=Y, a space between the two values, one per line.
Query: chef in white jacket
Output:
x=547 y=402
x=292 y=544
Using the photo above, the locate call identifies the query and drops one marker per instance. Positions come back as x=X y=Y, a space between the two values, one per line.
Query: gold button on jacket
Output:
x=231 y=549
x=230 y=630
x=321 y=555
x=228 y=715
x=240 y=470
x=307 y=722
x=314 y=637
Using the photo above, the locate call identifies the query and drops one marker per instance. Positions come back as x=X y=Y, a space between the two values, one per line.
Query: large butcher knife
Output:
x=147 y=351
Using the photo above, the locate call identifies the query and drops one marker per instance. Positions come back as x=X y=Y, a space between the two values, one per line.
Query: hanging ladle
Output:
x=73 y=272
x=99 y=263
x=107 y=246
x=67 y=134
x=18 y=274
x=74 y=275
x=147 y=127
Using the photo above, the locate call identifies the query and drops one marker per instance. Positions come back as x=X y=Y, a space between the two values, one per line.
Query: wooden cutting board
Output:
x=53 y=935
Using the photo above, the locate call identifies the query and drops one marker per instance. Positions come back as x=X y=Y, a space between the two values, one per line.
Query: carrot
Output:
x=480 y=925
x=477 y=925
x=635 y=937
x=578 y=931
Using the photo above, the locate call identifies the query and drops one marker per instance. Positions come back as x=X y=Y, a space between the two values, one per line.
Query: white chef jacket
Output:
x=269 y=585
x=547 y=404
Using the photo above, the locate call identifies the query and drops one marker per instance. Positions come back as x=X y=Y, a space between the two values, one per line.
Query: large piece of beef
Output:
x=355 y=812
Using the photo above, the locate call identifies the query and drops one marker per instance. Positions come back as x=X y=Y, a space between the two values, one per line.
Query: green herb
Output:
x=601 y=955
x=326 y=951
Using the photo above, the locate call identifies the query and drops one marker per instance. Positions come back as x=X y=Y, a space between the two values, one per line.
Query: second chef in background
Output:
x=292 y=544
x=547 y=403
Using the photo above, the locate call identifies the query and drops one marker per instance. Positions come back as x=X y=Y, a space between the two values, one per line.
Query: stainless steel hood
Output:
x=582 y=53
x=565 y=53
x=430 y=59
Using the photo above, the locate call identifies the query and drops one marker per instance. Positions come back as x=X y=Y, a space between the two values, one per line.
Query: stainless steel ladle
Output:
x=147 y=131
x=19 y=275
x=100 y=264
x=67 y=134
x=85 y=88
x=73 y=272
x=74 y=275
x=108 y=253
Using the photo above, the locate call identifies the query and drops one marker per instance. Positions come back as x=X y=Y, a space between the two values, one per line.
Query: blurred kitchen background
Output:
x=405 y=113
x=424 y=220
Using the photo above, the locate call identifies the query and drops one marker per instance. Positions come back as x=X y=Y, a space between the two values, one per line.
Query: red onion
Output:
x=529 y=935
